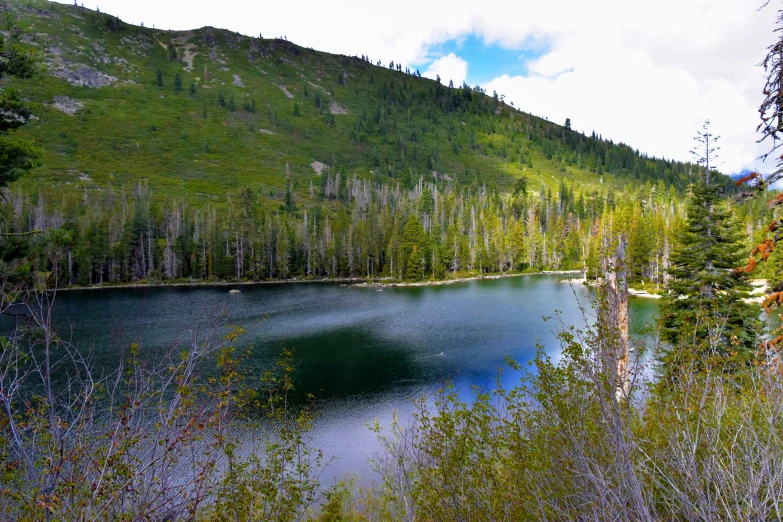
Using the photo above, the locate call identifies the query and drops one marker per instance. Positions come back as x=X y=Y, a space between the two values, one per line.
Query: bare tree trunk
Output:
x=616 y=320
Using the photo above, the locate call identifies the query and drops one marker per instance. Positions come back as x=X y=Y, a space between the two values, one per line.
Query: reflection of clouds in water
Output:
x=293 y=316
x=476 y=324
x=289 y=326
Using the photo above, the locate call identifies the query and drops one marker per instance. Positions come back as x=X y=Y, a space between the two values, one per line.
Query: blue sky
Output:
x=486 y=61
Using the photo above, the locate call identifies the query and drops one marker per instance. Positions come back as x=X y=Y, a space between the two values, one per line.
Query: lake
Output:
x=363 y=352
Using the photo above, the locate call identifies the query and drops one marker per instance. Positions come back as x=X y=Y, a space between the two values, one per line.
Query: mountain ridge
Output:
x=269 y=107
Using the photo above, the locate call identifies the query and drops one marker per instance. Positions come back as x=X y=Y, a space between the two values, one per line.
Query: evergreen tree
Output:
x=193 y=89
x=706 y=292
x=172 y=53
x=177 y=82
x=520 y=186
x=231 y=104
x=592 y=263
x=426 y=201
x=415 y=263
x=17 y=155
x=640 y=246
x=159 y=78
x=518 y=250
x=289 y=203
x=412 y=240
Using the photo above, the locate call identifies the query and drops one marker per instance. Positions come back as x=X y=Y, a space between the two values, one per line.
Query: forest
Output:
x=354 y=228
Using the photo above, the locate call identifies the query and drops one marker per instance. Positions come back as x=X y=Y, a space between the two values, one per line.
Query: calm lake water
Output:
x=363 y=353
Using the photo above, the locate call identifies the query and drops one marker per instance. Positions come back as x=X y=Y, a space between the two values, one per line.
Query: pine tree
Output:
x=640 y=245
x=159 y=78
x=518 y=248
x=177 y=82
x=193 y=89
x=412 y=239
x=17 y=155
x=706 y=292
x=520 y=186
x=289 y=204
x=415 y=270
x=172 y=53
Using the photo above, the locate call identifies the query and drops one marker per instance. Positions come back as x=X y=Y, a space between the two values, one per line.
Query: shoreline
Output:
x=758 y=295
x=644 y=294
x=358 y=282
x=205 y=284
x=382 y=284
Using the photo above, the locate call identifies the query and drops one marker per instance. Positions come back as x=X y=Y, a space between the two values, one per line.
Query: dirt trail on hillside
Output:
x=283 y=88
x=188 y=52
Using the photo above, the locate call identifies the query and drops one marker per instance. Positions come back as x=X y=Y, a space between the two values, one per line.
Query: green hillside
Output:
x=206 y=154
x=269 y=103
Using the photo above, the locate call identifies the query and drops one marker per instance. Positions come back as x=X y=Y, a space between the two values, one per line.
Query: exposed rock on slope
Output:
x=67 y=105
x=82 y=76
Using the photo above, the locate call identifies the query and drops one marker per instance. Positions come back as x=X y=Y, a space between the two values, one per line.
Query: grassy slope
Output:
x=134 y=130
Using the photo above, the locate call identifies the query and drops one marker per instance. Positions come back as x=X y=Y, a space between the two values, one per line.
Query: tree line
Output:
x=347 y=227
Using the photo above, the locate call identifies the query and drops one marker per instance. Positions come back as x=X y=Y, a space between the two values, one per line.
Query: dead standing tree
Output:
x=614 y=316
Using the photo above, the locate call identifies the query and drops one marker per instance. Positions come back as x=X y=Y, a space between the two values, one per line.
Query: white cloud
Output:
x=450 y=67
x=645 y=73
x=649 y=80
